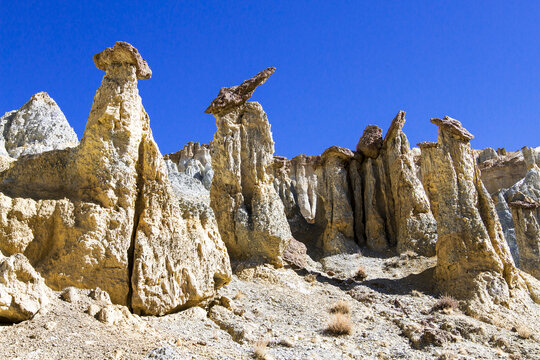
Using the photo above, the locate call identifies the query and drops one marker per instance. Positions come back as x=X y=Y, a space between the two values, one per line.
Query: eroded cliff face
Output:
x=345 y=199
x=318 y=199
x=473 y=260
x=104 y=213
x=396 y=209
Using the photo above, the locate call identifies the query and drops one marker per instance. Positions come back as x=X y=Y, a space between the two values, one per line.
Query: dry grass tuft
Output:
x=416 y=293
x=523 y=332
x=340 y=324
x=361 y=274
x=239 y=295
x=445 y=304
x=340 y=307
x=310 y=277
x=260 y=350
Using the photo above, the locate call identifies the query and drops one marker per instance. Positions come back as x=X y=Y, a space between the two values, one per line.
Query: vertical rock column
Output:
x=249 y=212
x=473 y=260
x=396 y=210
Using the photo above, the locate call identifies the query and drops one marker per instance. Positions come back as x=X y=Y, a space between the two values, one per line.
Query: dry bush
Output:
x=340 y=307
x=340 y=324
x=260 y=350
x=361 y=274
x=310 y=277
x=523 y=332
x=446 y=303
x=416 y=293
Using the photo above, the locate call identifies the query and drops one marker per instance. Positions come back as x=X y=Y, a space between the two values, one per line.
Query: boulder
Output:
x=38 y=126
x=104 y=213
x=22 y=290
x=250 y=216
x=371 y=141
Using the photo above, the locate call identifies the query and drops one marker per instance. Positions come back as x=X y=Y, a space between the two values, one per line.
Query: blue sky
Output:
x=341 y=65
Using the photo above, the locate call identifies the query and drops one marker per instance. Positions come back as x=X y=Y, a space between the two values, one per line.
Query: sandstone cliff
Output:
x=250 y=215
x=104 y=213
x=38 y=126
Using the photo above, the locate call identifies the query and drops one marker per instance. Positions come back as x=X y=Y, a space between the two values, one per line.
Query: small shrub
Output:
x=339 y=324
x=416 y=293
x=310 y=277
x=523 y=332
x=340 y=307
x=446 y=303
x=260 y=350
x=361 y=274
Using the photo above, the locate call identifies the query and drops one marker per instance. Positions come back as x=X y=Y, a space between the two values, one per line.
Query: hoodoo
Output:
x=249 y=212
x=104 y=213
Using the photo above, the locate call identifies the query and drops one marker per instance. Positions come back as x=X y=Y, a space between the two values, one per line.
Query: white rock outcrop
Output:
x=38 y=126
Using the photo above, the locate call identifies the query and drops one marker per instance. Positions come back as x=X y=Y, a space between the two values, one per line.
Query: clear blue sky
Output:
x=340 y=64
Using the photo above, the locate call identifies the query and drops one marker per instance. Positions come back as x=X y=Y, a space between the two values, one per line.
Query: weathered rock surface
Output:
x=250 y=215
x=22 y=290
x=501 y=171
x=195 y=160
x=318 y=200
x=38 y=126
x=524 y=200
x=371 y=141
x=396 y=210
x=104 y=213
x=473 y=260
x=234 y=96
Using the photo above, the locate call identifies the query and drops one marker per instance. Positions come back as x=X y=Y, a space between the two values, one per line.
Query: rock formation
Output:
x=104 y=213
x=318 y=200
x=250 y=215
x=473 y=260
x=396 y=210
x=22 y=290
x=195 y=161
x=38 y=126
x=524 y=200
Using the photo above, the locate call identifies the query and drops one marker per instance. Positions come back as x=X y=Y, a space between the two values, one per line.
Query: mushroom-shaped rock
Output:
x=371 y=141
x=453 y=127
x=123 y=53
x=230 y=97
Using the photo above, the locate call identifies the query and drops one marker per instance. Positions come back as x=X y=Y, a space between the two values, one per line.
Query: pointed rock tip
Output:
x=234 y=96
x=123 y=53
x=454 y=127
x=395 y=125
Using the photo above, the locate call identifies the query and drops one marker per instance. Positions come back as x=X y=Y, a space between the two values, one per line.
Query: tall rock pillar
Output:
x=250 y=215
x=473 y=260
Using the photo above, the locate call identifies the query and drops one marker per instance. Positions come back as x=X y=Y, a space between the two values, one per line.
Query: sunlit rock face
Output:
x=38 y=126
x=104 y=213
x=250 y=216
x=473 y=260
